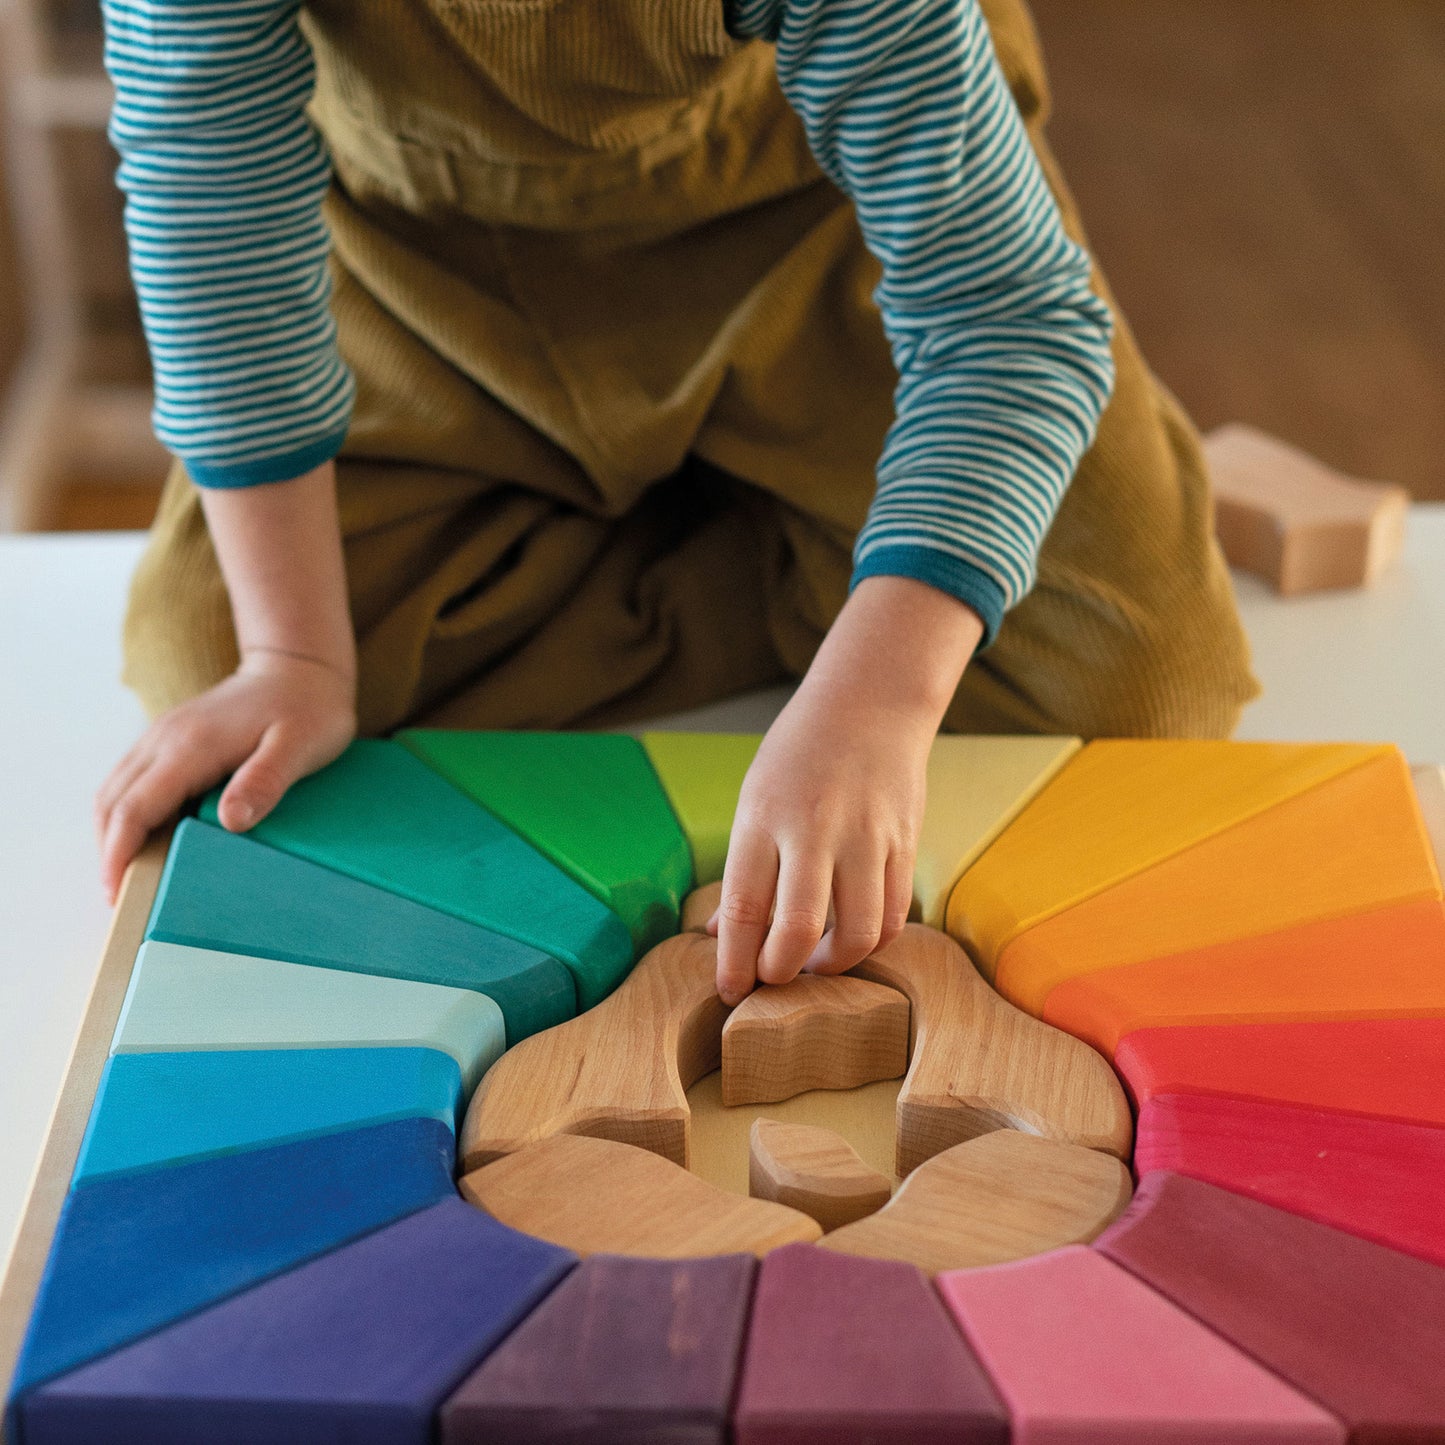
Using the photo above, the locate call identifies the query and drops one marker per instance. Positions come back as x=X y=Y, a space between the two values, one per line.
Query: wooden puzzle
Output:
x=401 y=1119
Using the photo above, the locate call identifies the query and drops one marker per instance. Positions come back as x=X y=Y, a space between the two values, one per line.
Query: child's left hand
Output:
x=819 y=872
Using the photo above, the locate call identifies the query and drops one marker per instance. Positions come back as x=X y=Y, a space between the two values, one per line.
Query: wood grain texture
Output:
x=137 y=1253
x=160 y=1109
x=227 y=892
x=620 y=1071
x=1355 y=842
x=978 y=1064
x=590 y=802
x=184 y=998
x=1299 y=524
x=976 y=787
x=813 y=1170
x=849 y=1351
x=1001 y=1197
x=66 y=1132
x=1352 y=1325
x=1085 y=1354
x=813 y=1033
x=1116 y=808
x=1385 y=964
x=1378 y=1068
x=381 y=815
x=595 y=1196
x=1429 y=782
x=1376 y=1178
x=361 y=1345
x=702 y=774
x=622 y=1351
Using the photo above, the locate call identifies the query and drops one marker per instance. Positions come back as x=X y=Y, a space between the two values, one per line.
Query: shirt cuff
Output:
x=283 y=468
x=969 y=584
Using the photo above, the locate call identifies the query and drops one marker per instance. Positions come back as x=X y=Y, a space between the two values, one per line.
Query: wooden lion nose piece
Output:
x=975 y=1065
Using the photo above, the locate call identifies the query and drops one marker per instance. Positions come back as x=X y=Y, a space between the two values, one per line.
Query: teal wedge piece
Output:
x=158 y=1109
x=224 y=891
x=702 y=774
x=590 y=801
x=182 y=999
x=380 y=814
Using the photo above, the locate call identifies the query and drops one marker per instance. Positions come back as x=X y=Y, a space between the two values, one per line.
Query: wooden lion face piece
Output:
x=1010 y=1134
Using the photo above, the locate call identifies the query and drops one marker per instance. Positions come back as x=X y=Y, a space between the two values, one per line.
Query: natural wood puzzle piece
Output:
x=590 y=801
x=1430 y=793
x=1000 y=1197
x=135 y=1253
x=226 y=892
x=976 y=787
x=813 y=1033
x=362 y=1344
x=1353 y=843
x=978 y=1064
x=622 y=1351
x=154 y=1109
x=699 y=906
x=1389 y=963
x=1377 y=1178
x=1380 y=1068
x=815 y=1171
x=1117 y=808
x=594 y=1196
x=1083 y=1353
x=849 y=1351
x=702 y=774
x=1297 y=523
x=620 y=1071
x=383 y=816
x=184 y=998
x=1351 y=1324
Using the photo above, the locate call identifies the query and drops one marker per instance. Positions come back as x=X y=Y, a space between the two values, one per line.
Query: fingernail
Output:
x=245 y=815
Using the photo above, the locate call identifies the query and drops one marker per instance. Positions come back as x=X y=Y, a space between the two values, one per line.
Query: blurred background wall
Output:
x=1264 y=182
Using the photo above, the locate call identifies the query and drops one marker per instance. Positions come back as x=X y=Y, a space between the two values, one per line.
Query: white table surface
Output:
x=1354 y=665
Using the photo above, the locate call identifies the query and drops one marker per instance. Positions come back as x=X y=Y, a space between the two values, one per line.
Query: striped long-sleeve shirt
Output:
x=1001 y=347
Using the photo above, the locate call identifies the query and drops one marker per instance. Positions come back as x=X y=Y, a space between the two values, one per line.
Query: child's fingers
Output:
x=858 y=892
x=151 y=797
x=125 y=772
x=800 y=915
x=262 y=780
x=897 y=896
x=749 y=883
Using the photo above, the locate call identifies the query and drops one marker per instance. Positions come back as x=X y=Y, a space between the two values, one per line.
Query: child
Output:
x=586 y=422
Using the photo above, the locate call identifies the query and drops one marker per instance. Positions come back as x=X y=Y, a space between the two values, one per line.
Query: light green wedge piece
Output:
x=589 y=801
x=184 y=999
x=703 y=773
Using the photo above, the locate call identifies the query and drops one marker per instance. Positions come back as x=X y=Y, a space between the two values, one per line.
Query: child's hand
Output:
x=820 y=865
x=277 y=718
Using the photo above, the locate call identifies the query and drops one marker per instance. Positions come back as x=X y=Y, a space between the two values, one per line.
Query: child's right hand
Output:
x=277 y=718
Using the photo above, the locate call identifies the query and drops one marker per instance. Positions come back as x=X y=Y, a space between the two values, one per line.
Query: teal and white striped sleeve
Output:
x=224 y=177
x=1002 y=349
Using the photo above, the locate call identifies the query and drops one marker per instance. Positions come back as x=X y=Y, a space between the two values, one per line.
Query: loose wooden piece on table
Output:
x=1348 y=1323
x=372 y=1336
x=1386 y=963
x=699 y=906
x=850 y=1351
x=1292 y=520
x=1377 y=1178
x=998 y=1198
x=227 y=892
x=813 y=1033
x=1120 y=806
x=594 y=1196
x=815 y=1171
x=620 y=1071
x=622 y=1351
x=1082 y=1352
x=1352 y=843
x=978 y=1064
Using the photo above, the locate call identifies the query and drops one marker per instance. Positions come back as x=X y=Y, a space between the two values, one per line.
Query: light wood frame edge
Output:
x=51 y=1180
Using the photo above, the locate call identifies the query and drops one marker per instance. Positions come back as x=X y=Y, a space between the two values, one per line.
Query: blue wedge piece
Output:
x=223 y=891
x=156 y=1109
